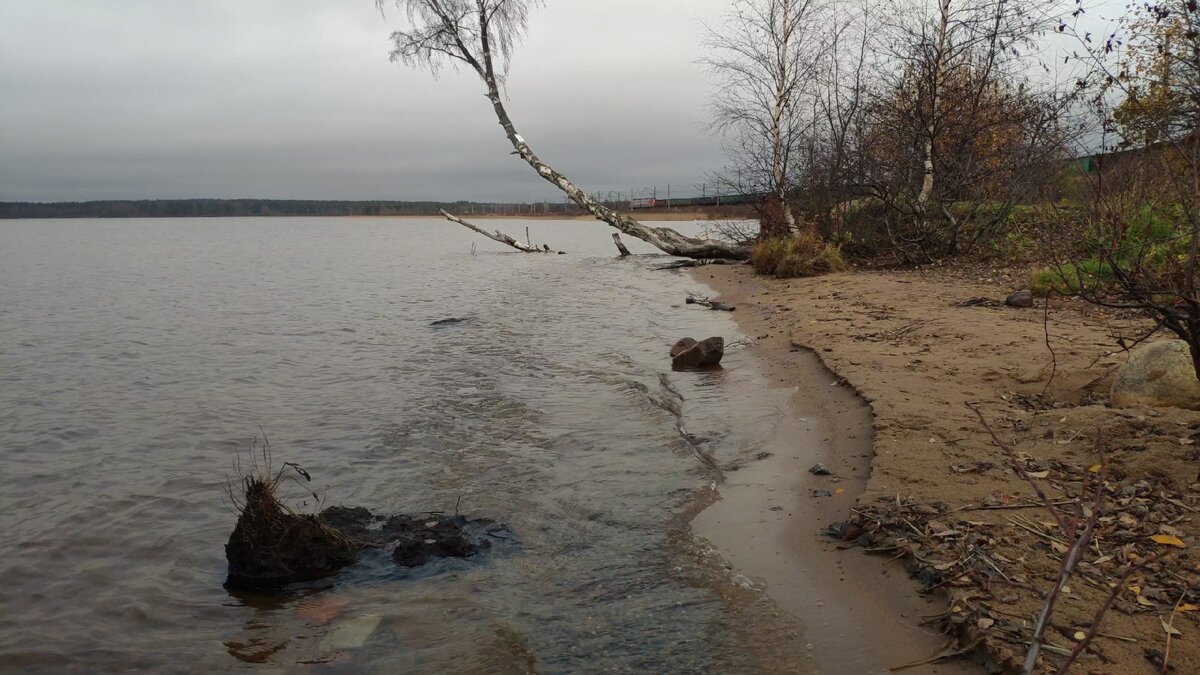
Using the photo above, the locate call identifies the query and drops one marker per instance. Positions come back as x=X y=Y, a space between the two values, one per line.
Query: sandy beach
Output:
x=925 y=485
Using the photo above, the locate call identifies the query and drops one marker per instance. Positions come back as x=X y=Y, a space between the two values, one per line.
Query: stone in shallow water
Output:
x=701 y=354
x=351 y=634
x=415 y=540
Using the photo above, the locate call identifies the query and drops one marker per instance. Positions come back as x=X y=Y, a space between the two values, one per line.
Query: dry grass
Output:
x=801 y=255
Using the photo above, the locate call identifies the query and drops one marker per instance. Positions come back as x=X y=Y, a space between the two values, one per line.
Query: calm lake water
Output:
x=140 y=358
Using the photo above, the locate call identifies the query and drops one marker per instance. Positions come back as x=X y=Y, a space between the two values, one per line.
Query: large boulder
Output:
x=1159 y=374
x=1022 y=298
x=688 y=354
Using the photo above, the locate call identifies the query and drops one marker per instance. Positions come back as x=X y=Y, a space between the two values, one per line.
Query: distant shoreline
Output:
x=292 y=208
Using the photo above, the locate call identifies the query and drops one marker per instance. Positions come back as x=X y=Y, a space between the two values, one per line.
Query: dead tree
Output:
x=620 y=244
x=498 y=236
x=472 y=33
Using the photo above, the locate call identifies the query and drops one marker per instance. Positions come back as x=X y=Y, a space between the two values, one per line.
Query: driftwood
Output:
x=620 y=244
x=711 y=304
x=684 y=264
x=499 y=236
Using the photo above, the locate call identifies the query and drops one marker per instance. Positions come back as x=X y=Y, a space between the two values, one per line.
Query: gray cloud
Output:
x=296 y=98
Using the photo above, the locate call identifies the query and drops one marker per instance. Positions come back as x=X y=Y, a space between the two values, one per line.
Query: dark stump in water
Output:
x=271 y=547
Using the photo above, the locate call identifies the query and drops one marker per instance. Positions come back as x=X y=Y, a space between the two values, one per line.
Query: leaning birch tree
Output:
x=481 y=34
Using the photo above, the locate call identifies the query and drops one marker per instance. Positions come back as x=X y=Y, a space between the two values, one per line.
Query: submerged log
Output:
x=620 y=244
x=684 y=264
x=498 y=236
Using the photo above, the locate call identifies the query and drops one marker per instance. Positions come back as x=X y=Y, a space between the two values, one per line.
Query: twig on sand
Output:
x=942 y=655
x=1169 y=627
x=1078 y=538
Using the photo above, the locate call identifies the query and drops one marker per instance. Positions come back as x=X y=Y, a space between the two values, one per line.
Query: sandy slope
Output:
x=915 y=349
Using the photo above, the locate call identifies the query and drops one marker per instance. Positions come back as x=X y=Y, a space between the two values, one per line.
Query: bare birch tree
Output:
x=843 y=89
x=477 y=34
x=762 y=59
x=959 y=89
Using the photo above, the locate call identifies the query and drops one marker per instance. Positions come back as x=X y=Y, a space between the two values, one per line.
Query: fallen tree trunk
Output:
x=620 y=244
x=683 y=264
x=498 y=236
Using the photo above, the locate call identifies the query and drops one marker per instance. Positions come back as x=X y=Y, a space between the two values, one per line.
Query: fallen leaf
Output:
x=1167 y=627
x=1080 y=636
x=1187 y=608
x=1141 y=600
x=1039 y=474
x=986 y=623
x=1137 y=590
x=1168 y=540
x=1095 y=468
x=839 y=491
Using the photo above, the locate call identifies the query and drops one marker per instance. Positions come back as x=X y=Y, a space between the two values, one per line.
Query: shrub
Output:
x=800 y=255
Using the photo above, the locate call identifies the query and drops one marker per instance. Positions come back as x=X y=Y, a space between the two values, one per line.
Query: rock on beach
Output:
x=1158 y=374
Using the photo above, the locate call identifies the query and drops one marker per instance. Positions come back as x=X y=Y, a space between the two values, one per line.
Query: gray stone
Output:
x=1022 y=298
x=1158 y=374
x=699 y=355
x=682 y=346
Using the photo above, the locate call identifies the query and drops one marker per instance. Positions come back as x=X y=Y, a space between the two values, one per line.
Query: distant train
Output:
x=721 y=200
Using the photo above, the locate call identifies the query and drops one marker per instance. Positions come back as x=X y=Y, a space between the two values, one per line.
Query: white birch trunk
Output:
x=935 y=94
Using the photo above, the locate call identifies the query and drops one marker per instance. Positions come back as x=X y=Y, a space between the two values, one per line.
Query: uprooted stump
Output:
x=271 y=546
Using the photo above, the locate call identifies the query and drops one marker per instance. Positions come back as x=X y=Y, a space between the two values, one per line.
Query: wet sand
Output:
x=858 y=613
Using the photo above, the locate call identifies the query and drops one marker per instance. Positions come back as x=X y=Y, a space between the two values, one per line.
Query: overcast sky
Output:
x=297 y=99
x=135 y=99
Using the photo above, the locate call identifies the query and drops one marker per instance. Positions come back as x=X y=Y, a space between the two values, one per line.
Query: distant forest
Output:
x=207 y=208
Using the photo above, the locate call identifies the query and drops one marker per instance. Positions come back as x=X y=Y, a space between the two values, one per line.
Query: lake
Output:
x=140 y=360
